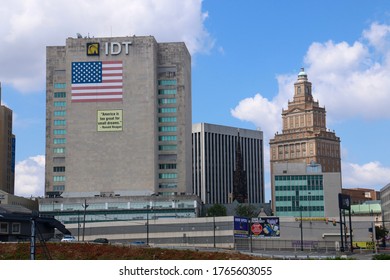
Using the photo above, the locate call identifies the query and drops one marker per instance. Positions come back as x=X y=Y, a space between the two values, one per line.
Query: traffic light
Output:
x=334 y=222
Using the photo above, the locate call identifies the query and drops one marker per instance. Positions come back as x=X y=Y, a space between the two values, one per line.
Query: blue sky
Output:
x=245 y=58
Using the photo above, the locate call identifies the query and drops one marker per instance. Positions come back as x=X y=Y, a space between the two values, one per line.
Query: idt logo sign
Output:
x=93 y=49
x=115 y=48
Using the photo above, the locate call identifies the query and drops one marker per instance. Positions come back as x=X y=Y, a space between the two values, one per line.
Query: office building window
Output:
x=59 y=150
x=167 y=119
x=60 y=95
x=59 y=122
x=167 y=110
x=167 y=166
x=167 y=175
x=167 y=82
x=59 y=188
x=59 y=131
x=167 y=138
x=59 y=141
x=167 y=101
x=167 y=186
x=167 y=91
x=59 y=85
x=167 y=147
x=59 y=103
x=59 y=169
x=60 y=113
x=167 y=128
x=59 y=178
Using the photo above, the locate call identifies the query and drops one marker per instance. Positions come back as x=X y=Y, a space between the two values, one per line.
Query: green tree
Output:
x=381 y=234
x=216 y=210
x=246 y=210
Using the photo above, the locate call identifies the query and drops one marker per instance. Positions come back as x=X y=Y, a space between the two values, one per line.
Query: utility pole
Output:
x=32 y=241
x=214 y=229
x=85 y=206
x=301 y=226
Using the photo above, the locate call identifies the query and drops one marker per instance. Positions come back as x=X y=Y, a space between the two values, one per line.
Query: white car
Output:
x=68 y=238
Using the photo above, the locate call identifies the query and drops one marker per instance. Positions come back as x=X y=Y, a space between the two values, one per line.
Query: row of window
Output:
x=167 y=101
x=167 y=82
x=167 y=128
x=59 y=178
x=15 y=228
x=59 y=131
x=60 y=113
x=59 y=122
x=300 y=198
x=167 y=110
x=167 y=176
x=167 y=166
x=59 y=141
x=59 y=188
x=297 y=177
x=167 y=91
x=59 y=169
x=60 y=95
x=59 y=150
x=59 y=103
x=298 y=209
x=167 y=119
x=167 y=147
x=299 y=188
x=167 y=186
x=59 y=85
x=167 y=138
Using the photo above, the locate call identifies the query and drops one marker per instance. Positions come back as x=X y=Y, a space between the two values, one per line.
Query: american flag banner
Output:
x=97 y=81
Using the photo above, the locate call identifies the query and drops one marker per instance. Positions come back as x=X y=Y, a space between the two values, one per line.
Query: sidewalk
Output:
x=304 y=255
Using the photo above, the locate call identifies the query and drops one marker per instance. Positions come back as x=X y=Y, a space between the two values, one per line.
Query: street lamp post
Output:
x=301 y=226
x=85 y=206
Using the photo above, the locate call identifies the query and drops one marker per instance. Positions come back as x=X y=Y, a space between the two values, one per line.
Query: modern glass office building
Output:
x=305 y=190
x=215 y=149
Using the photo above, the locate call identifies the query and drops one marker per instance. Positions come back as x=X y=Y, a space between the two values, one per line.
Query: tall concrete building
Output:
x=118 y=118
x=7 y=150
x=304 y=139
x=215 y=150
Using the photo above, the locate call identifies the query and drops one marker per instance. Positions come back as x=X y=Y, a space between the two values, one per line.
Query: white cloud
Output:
x=264 y=113
x=30 y=177
x=29 y=26
x=350 y=80
x=368 y=175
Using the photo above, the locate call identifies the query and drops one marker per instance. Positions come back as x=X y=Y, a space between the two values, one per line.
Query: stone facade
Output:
x=85 y=156
x=306 y=140
x=304 y=137
x=7 y=150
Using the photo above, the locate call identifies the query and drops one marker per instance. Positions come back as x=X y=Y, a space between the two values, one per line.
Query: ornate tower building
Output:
x=305 y=138
x=305 y=158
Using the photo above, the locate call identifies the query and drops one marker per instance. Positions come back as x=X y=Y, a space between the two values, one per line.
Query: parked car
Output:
x=101 y=240
x=138 y=243
x=68 y=238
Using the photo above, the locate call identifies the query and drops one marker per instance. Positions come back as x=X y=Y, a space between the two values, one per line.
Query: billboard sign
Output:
x=265 y=227
x=256 y=227
x=241 y=227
